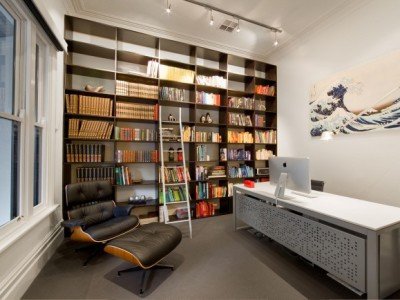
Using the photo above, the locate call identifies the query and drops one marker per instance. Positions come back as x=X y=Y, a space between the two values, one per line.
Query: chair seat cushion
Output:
x=112 y=228
x=146 y=245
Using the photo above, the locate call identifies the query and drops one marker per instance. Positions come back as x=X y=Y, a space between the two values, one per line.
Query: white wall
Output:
x=364 y=165
x=23 y=259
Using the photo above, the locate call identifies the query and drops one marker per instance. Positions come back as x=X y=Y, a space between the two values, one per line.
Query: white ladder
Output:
x=164 y=168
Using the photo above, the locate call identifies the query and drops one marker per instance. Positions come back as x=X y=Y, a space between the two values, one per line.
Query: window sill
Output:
x=24 y=226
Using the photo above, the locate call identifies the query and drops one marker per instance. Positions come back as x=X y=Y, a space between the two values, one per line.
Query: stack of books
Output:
x=85 y=152
x=136 y=156
x=259 y=120
x=152 y=68
x=213 y=137
x=173 y=194
x=189 y=133
x=241 y=102
x=94 y=174
x=205 y=209
x=86 y=129
x=134 y=89
x=264 y=154
x=260 y=105
x=217 y=172
x=206 y=190
x=242 y=171
x=173 y=94
x=169 y=135
x=123 y=176
x=201 y=153
x=175 y=175
x=176 y=74
x=137 y=111
x=135 y=134
x=265 y=137
x=216 y=81
x=265 y=90
x=208 y=98
x=238 y=119
x=88 y=105
x=239 y=137
x=239 y=154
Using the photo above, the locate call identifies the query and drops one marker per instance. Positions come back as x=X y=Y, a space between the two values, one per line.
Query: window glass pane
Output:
x=7 y=56
x=9 y=166
x=37 y=167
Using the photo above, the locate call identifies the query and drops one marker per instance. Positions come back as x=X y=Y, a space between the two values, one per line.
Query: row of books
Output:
x=268 y=90
x=204 y=172
x=208 y=98
x=239 y=154
x=173 y=194
x=88 y=105
x=240 y=172
x=152 y=68
x=94 y=174
x=263 y=154
x=137 y=111
x=241 y=102
x=217 y=172
x=213 y=137
x=207 y=190
x=205 y=209
x=259 y=120
x=85 y=152
x=134 y=89
x=201 y=173
x=123 y=175
x=268 y=137
x=201 y=153
x=135 y=134
x=173 y=94
x=136 y=156
x=216 y=81
x=175 y=174
x=176 y=74
x=174 y=156
x=238 y=119
x=86 y=129
x=189 y=133
x=240 y=137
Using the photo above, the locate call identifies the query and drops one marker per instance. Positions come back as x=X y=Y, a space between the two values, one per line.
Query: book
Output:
x=136 y=111
x=265 y=137
x=135 y=134
x=85 y=152
x=205 y=209
x=265 y=90
x=137 y=156
x=240 y=137
x=173 y=94
x=242 y=171
x=176 y=74
x=215 y=81
x=88 y=105
x=241 y=102
x=208 y=98
x=95 y=174
x=134 y=89
x=88 y=129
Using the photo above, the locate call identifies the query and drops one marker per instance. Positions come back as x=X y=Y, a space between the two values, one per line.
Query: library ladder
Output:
x=164 y=169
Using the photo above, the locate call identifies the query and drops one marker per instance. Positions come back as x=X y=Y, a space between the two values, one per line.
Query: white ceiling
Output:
x=189 y=23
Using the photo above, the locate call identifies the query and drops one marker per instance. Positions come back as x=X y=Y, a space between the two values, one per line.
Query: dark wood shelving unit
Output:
x=120 y=56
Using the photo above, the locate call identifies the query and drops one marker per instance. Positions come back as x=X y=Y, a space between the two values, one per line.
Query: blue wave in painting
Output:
x=332 y=114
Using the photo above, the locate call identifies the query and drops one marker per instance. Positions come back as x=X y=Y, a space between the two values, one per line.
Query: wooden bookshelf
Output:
x=102 y=55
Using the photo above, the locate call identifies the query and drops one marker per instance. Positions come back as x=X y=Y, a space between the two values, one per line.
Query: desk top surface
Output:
x=363 y=213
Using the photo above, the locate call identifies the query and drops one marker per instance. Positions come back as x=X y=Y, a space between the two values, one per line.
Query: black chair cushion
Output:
x=112 y=228
x=93 y=214
x=85 y=192
x=149 y=243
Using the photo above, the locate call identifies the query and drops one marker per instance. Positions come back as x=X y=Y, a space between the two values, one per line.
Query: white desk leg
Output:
x=373 y=265
x=234 y=207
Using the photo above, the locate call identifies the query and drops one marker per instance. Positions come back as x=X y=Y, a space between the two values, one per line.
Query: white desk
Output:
x=355 y=240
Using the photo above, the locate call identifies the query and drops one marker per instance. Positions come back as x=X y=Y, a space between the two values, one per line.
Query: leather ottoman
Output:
x=145 y=247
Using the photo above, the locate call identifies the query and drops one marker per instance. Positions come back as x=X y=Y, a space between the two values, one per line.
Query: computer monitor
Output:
x=297 y=170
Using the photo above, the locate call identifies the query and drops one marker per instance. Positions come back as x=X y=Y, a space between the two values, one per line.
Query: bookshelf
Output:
x=236 y=93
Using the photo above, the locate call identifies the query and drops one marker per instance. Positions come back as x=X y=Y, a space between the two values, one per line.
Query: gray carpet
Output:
x=218 y=263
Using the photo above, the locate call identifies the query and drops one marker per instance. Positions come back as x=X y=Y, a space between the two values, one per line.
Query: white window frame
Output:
x=27 y=30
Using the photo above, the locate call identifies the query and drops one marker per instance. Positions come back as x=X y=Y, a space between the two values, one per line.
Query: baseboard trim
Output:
x=16 y=284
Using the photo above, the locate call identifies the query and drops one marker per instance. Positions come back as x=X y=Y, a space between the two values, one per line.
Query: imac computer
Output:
x=296 y=174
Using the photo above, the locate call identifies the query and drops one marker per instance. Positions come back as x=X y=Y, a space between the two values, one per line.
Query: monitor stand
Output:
x=307 y=195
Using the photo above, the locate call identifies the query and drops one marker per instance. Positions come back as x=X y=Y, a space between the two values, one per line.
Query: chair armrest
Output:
x=122 y=211
x=72 y=223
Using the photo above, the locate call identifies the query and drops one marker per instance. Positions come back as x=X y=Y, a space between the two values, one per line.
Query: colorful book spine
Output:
x=136 y=156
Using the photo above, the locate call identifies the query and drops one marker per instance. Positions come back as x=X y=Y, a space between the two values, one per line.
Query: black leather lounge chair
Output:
x=93 y=216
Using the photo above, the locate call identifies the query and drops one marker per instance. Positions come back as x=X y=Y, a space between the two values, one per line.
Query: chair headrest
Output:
x=83 y=193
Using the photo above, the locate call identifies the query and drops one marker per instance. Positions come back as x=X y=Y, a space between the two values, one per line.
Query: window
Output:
x=10 y=125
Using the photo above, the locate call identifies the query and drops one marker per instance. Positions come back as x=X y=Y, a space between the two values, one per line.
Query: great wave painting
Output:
x=365 y=98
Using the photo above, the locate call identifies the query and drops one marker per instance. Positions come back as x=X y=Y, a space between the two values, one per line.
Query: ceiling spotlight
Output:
x=276 y=41
x=168 y=7
x=211 y=18
x=238 y=26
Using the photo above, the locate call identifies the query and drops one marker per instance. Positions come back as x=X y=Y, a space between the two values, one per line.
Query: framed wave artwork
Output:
x=365 y=98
